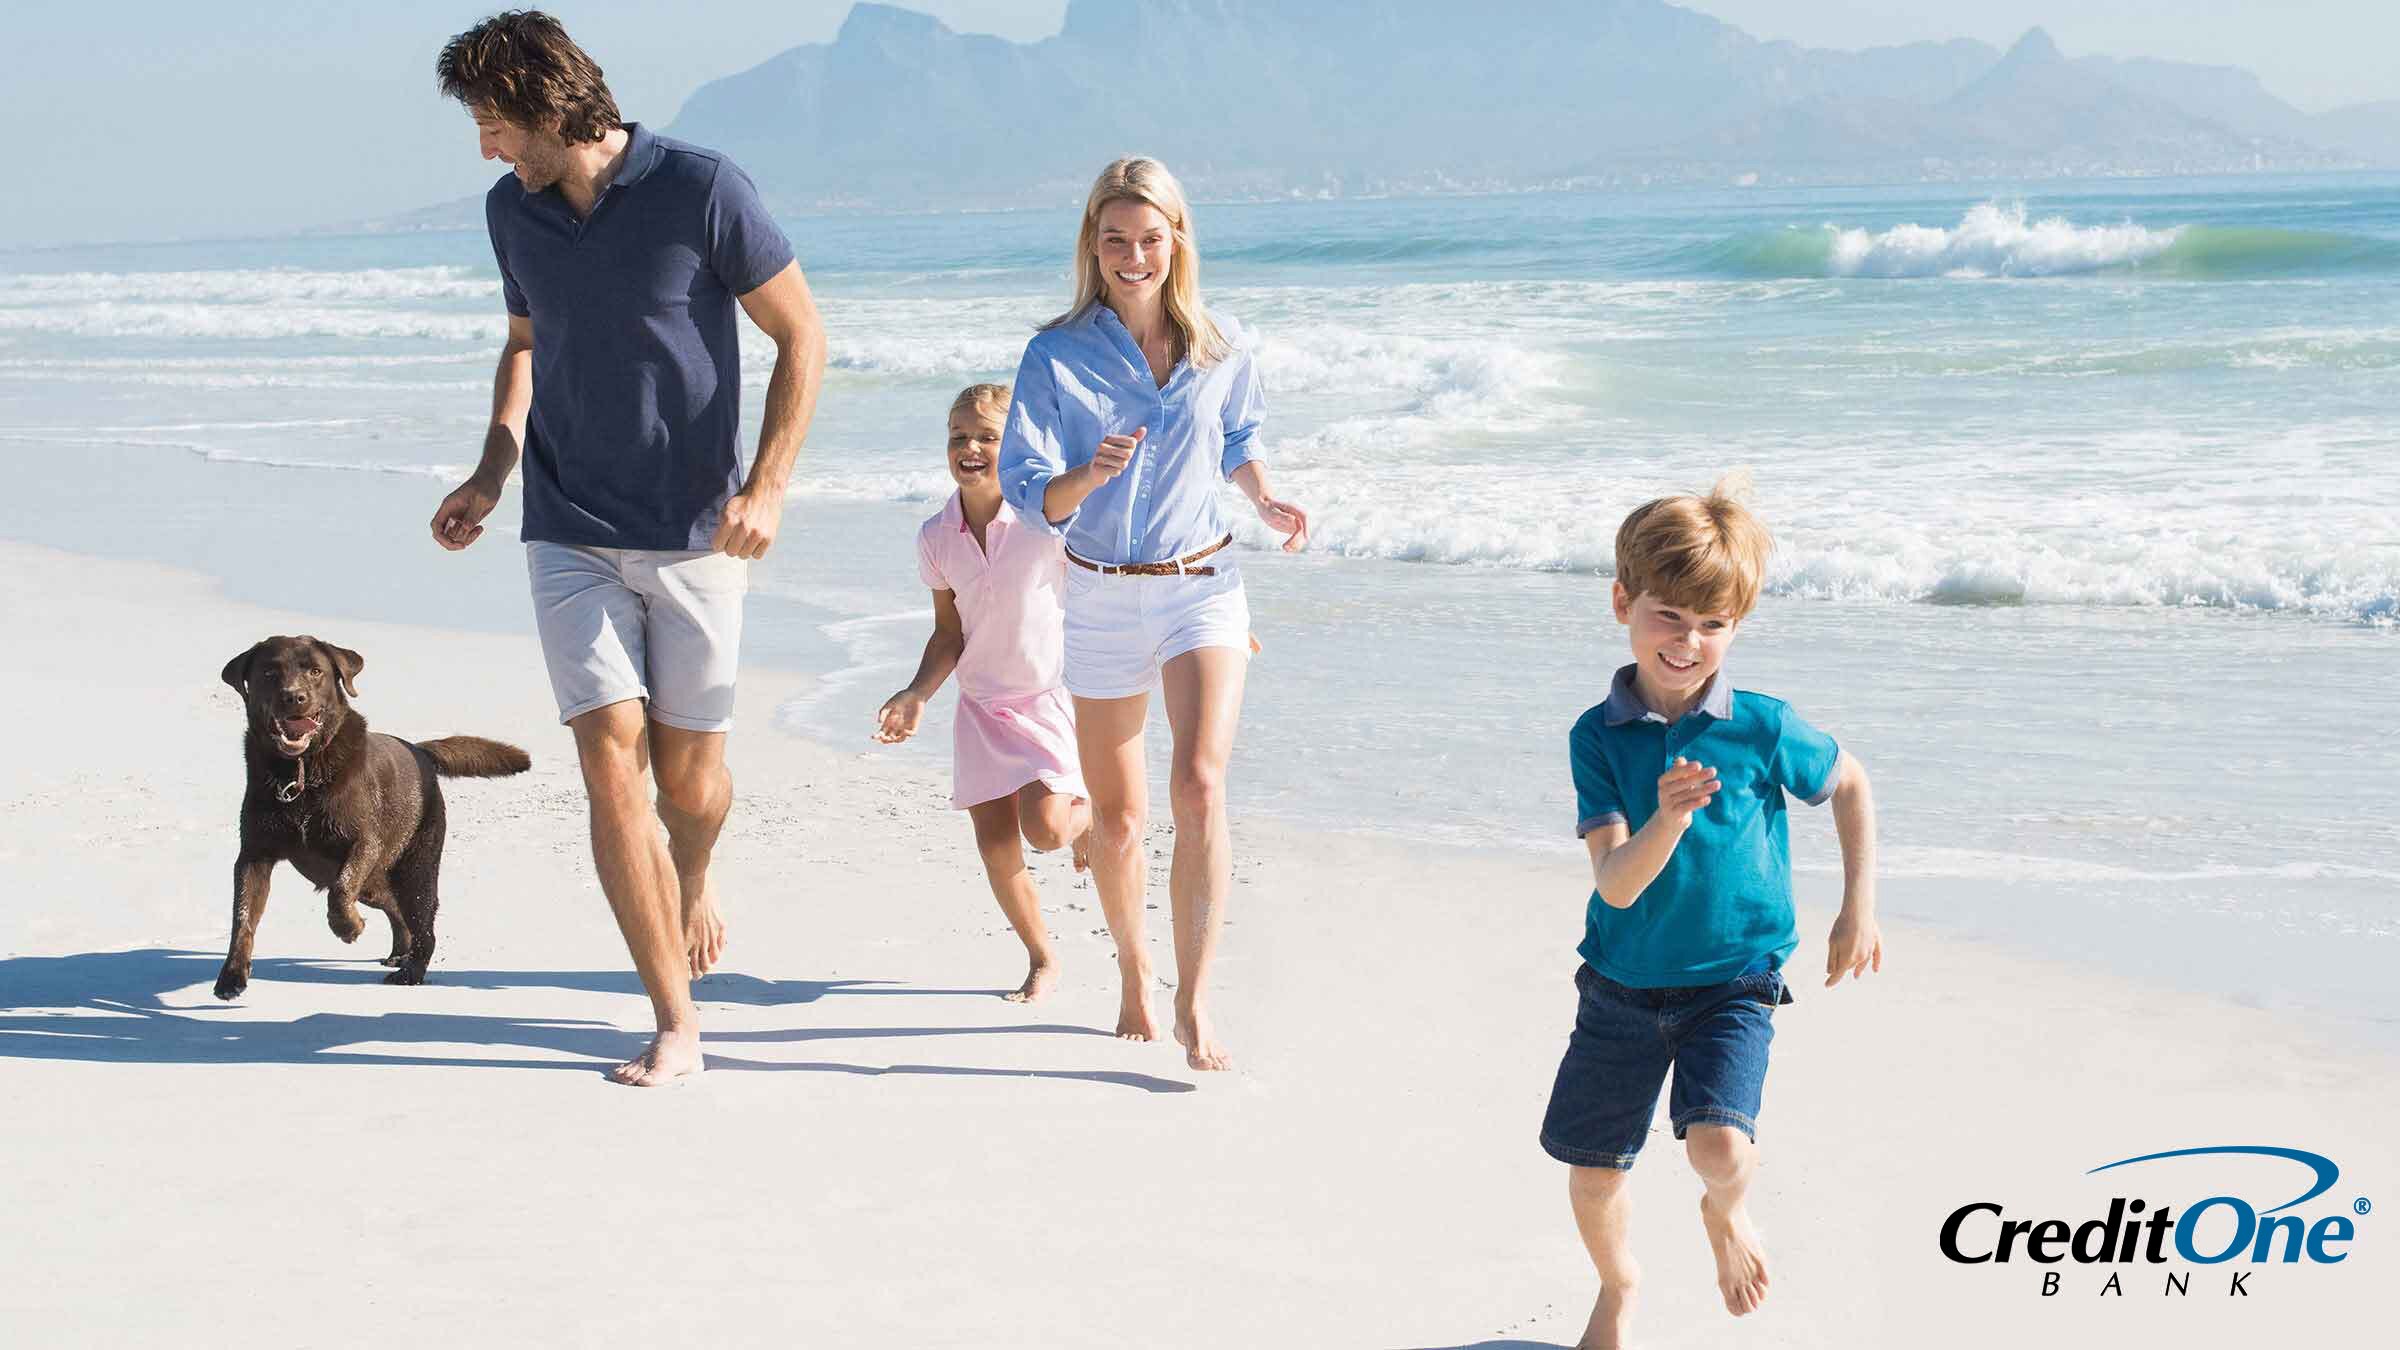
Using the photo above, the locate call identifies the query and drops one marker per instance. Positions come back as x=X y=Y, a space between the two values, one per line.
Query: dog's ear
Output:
x=346 y=663
x=237 y=670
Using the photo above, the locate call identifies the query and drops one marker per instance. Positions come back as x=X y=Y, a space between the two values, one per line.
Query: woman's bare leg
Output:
x=1204 y=706
x=1108 y=736
x=996 y=839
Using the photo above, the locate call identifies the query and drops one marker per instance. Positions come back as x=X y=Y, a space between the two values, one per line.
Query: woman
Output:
x=1129 y=408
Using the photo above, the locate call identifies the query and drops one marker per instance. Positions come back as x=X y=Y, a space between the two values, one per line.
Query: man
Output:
x=622 y=255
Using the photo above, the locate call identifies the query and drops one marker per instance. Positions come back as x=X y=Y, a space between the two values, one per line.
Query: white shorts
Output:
x=1121 y=629
x=661 y=625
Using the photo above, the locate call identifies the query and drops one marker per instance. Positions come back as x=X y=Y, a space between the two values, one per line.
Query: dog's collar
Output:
x=290 y=792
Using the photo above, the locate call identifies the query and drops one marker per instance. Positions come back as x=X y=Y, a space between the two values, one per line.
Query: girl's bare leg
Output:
x=1012 y=885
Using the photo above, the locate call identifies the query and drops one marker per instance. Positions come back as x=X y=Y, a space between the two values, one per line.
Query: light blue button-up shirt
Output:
x=1087 y=379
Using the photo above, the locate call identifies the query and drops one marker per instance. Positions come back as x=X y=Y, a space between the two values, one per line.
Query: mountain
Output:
x=1269 y=97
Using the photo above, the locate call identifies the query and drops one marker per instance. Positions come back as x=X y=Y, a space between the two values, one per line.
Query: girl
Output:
x=1130 y=409
x=996 y=619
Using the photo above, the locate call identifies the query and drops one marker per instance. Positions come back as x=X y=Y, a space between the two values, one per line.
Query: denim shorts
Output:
x=1714 y=1036
x=620 y=624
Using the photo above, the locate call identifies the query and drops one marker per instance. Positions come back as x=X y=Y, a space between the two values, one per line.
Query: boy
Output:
x=1679 y=783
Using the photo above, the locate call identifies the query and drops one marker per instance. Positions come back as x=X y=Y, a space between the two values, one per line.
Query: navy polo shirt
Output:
x=635 y=436
x=1723 y=903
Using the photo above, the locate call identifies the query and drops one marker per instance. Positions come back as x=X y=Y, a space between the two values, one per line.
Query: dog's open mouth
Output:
x=292 y=734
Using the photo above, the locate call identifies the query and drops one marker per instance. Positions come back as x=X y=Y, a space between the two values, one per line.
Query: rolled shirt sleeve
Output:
x=1245 y=408
x=1030 y=452
x=1597 y=801
x=1804 y=759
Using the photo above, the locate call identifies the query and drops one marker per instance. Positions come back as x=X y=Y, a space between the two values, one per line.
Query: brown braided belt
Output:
x=1174 y=567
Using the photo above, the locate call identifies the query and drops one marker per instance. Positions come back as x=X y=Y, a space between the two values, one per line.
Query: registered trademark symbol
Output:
x=2361 y=1205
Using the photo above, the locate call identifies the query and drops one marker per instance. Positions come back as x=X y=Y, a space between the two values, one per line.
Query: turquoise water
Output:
x=2088 y=516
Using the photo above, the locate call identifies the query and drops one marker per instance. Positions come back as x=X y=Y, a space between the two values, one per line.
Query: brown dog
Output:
x=357 y=813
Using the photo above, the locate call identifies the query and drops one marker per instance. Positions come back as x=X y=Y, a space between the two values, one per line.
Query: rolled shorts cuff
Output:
x=636 y=693
x=683 y=723
x=1715 y=1115
x=1584 y=1157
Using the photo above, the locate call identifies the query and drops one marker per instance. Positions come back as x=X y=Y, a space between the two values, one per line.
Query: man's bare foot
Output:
x=1134 y=1022
x=1741 y=1262
x=1038 y=979
x=1199 y=1041
x=1612 y=1319
x=1082 y=850
x=672 y=1057
x=703 y=931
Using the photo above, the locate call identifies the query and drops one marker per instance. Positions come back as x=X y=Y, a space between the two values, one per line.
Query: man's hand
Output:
x=458 y=521
x=748 y=529
x=1287 y=520
x=1855 y=947
x=1113 y=454
x=1684 y=788
x=897 y=720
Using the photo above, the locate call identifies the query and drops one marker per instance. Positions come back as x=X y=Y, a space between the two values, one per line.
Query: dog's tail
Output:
x=475 y=757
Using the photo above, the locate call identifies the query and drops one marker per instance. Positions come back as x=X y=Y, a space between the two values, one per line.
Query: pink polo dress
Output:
x=1015 y=724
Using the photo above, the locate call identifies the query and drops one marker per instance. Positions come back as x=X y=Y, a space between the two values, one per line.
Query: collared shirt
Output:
x=1011 y=599
x=1723 y=902
x=634 y=439
x=1087 y=379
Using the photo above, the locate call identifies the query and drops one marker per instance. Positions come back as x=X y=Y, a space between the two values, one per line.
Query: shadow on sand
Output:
x=115 y=1008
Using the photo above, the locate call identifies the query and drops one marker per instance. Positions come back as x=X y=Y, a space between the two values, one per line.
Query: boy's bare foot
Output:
x=703 y=930
x=1038 y=979
x=1741 y=1262
x=1612 y=1319
x=672 y=1057
x=1199 y=1041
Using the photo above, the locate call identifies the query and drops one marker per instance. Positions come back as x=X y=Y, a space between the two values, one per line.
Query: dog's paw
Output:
x=392 y=960
x=345 y=925
x=406 y=975
x=230 y=984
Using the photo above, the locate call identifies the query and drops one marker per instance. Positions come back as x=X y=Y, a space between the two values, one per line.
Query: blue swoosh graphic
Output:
x=2323 y=1166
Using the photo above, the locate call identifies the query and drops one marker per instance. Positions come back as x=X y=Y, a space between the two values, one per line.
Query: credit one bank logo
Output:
x=2217 y=1230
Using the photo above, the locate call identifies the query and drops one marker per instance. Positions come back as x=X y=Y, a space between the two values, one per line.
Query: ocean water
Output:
x=2086 y=498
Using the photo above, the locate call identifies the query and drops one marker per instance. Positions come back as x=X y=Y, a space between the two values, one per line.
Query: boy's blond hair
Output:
x=1704 y=553
x=976 y=395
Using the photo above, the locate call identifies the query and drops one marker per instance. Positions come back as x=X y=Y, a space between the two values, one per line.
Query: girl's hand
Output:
x=1287 y=520
x=1854 y=948
x=897 y=720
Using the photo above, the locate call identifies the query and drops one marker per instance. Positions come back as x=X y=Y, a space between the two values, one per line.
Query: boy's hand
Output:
x=897 y=720
x=1855 y=947
x=1685 y=788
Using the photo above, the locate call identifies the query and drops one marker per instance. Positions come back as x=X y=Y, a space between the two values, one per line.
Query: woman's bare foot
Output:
x=1198 y=1039
x=1741 y=1262
x=1134 y=1022
x=1038 y=978
x=672 y=1057
x=1612 y=1319
x=1082 y=850
x=703 y=931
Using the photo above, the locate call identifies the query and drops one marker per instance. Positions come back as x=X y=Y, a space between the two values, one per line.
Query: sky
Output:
x=154 y=119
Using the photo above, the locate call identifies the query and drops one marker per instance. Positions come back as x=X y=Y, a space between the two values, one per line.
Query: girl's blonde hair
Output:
x=1703 y=553
x=976 y=395
x=1139 y=179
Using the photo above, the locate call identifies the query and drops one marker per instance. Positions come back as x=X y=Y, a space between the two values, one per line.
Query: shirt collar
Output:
x=642 y=154
x=1624 y=704
x=954 y=512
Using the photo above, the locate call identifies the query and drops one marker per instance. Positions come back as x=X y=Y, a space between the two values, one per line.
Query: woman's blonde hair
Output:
x=976 y=395
x=1701 y=553
x=1139 y=179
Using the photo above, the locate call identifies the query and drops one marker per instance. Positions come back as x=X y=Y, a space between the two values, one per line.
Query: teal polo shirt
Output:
x=1723 y=903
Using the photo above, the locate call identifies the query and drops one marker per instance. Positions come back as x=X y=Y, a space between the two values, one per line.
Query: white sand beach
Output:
x=884 y=1153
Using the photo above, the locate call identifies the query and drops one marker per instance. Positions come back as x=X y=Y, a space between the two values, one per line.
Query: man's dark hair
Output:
x=523 y=67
